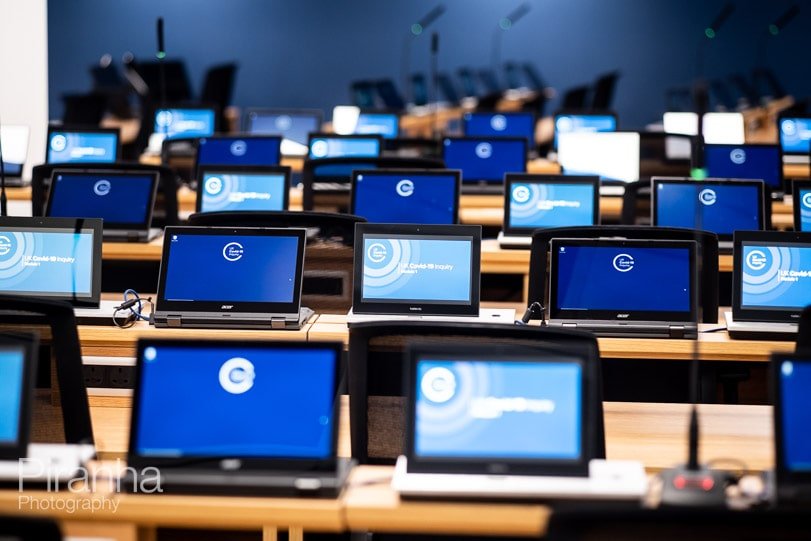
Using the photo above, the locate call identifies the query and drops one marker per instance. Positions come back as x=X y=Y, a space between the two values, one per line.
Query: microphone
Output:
x=782 y=21
x=505 y=24
x=712 y=30
x=415 y=30
x=427 y=20
x=435 y=80
x=161 y=49
x=3 y=199
x=161 y=55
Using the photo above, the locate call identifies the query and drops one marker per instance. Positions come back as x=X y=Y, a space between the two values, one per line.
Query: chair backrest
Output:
x=67 y=354
x=376 y=367
x=362 y=94
x=575 y=99
x=391 y=98
x=218 y=88
x=83 y=109
x=707 y=252
x=804 y=332
x=604 y=89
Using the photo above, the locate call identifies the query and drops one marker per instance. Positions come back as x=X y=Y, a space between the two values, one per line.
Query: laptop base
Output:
x=46 y=463
x=486 y=315
x=760 y=330
x=131 y=236
x=485 y=188
x=630 y=329
x=233 y=321
x=514 y=242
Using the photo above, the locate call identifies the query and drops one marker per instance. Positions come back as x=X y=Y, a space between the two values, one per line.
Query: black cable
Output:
x=534 y=311
x=126 y=314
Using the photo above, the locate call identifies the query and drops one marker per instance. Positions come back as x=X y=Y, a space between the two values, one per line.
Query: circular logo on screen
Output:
x=623 y=262
x=405 y=188
x=738 y=156
x=438 y=385
x=5 y=245
x=498 y=123
x=484 y=150
x=319 y=149
x=564 y=123
x=239 y=148
x=376 y=253
x=102 y=187
x=150 y=354
x=213 y=185
x=237 y=375
x=521 y=194
x=756 y=260
x=707 y=196
x=788 y=127
x=232 y=251
x=284 y=122
x=163 y=118
x=807 y=200
x=58 y=143
x=787 y=368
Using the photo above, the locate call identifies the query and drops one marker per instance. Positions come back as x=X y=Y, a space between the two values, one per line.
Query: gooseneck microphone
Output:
x=505 y=24
x=3 y=200
x=161 y=55
x=435 y=81
x=415 y=30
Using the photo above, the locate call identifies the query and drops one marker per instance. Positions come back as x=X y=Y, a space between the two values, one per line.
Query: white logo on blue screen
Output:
x=756 y=260
x=707 y=196
x=237 y=375
x=623 y=262
x=239 y=148
x=5 y=245
x=738 y=156
x=320 y=148
x=484 y=150
x=58 y=143
x=150 y=354
x=213 y=185
x=807 y=200
x=405 y=188
x=787 y=368
x=564 y=124
x=376 y=253
x=498 y=123
x=102 y=187
x=232 y=251
x=284 y=123
x=789 y=127
x=521 y=194
x=164 y=118
x=438 y=385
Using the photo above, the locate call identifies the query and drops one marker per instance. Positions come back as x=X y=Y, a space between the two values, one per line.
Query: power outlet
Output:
x=120 y=377
x=95 y=375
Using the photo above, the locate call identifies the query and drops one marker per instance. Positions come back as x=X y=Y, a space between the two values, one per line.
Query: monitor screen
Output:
x=236 y=268
x=722 y=207
x=611 y=156
x=177 y=123
x=534 y=205
x=120 y=200
x=12 y=379
x=15 y=148
x=294 y=127
x=795 y=410
x=201 y=400
x=239 y=151
x=776 y=276
x=804 y=203
x=718 y=128
x=406 y=198
x=424 y=269
x=498 y=409
x=501 y=125
x=242 y=191
x=745 y=162
x=485 y=160
x=386 y=125
x=82 y=147
x=795 y=135
x=340 y=147
x=583 y=123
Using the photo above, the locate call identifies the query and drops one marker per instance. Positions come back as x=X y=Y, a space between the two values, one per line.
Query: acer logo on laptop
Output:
x=623 y=316
x=226 y=307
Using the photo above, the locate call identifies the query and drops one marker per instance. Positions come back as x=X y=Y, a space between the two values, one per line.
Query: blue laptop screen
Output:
x=12 y=169
x=583 y=123
x=745 y=162
x=117 y=199
x=404 y=199
x=75 y=147
x=795 y=380
x=795 y=135
x=776 y=277
x=623 y=279
x=238 y=151
x=53 y=263
x=296 y=127
x=498 y=125
x=243 y=191
x=535 y=205
x=220 y=401
x=506 y=409
x=406 y=268
x=804 y=201
x=385 y=125
x=337 y=147
x=485 y=160
x=720 y=208
x=176 y=123
x=238 y=268
x=12 y=364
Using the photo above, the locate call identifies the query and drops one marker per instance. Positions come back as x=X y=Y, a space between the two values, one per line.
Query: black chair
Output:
x=29 y=529
x=468 y=82
x=83 y=109
x=575 y=99
x=376 y=403
x=604 y=89
x=362 y=94
x=707 y=253
x=804 y=333
x=388 y=94
x=636 y=203
x=536 y=82
x=447 y=91
x=218 y=89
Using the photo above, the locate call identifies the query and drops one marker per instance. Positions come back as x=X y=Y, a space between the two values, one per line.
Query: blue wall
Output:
x=304 y=53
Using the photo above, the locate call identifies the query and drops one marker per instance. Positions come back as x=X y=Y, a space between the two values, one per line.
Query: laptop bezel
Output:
x=796 y=187
x=417 y=307
x=466 y=117
x=28 y=344
x=234 y=138
x=318 y=114
x=246 y=463
x=768 y=238
x=783 y=474
x=143 y=225
x=467 y=182
x=788 y=116
x=202 y=107
x=499 y=465
x=529 y=178
x=88 y=130
x=243 y=170
x=354 y=136
x=455 y=173
x=623 y=315
x=234 y=308
x=575 y=112
x=781 y=185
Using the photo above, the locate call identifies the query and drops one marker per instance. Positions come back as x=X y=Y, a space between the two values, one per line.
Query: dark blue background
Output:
x=126 y=203
x=761 y=163
x=431 y=202
x=507 y=157
x=797 y=417
x=258 y=152
x=735 y=209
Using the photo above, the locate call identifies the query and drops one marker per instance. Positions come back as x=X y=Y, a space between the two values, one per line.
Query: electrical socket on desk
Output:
x=120 y=377
x=95 y=375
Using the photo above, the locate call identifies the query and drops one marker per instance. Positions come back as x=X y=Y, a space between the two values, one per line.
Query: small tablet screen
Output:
x=120 y=200
x=388 y=197
x=224 y=191
x=485 y=160
x=82 y=147
x=776 y=276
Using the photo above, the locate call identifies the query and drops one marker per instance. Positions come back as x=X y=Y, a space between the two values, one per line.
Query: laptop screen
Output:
x=802 y=204
x=485 y=160
x=15 y=148
x=82 y=147
x=746 y=162
x=239 y=151
x=720 y=207
x=121 y=200
x=795 y=414
x=611 y=156
x=224 y=190
x=228 y=399
x=583 y=123
x=386 y=125
x=177 y=123
x=12 y=380
x=294 y=127
x=550 y=202
x=776 y=276
x=501 y=125
x=339 y=147
x=406 y=197
x=795 y=135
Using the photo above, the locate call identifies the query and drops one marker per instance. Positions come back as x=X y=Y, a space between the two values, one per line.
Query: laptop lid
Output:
x=235 y=405
x=82 y=145
x=611 y=156
x=485 y=160
x=539 y=201
x=417 y=269
x=794 y=132
x=580 y=122
x=330 y=145
x=14 y=140
x=623 y=280
x=51 y=258
x=499 y=410
x=408 y=196
x=771 y=275
x=18 y=368
x=720 y=206
x=349 y=119
x=239 y=150
x=717 y=128
x=239 y=188
x=123 y=199
x=791 y=379
x=492 y=124
x=293 y=125
x=228 y=271
x=749 y=161
x=185 y=122
x=801 y=199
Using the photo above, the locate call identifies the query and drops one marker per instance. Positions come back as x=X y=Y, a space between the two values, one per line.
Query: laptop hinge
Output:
x=570 y=325
x=173 y=321
x=132 y=236
x=278 y=323
x=677 y=331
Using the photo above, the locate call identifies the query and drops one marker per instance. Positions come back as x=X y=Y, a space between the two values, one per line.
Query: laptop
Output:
x=501 y=124
x=582 y=122
x=750 y=161
x=14 y=140
x=181 y=123
x=624 y=288
x=407 y=196
x=539 y=201
x=500 y=422
x=717 y=128
x=331 y=145
x=239 y=150
x=794 y=132
x=247 y=417
x=485 y=160
x=82 y=145
x=770 y=284
x=612 y=156
x=719 y=206
x=293 y=125
x=242 y=188
x=419 y=272
x=801 y=198
x=224 y=277
x=125 y=200
x=349 y=120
